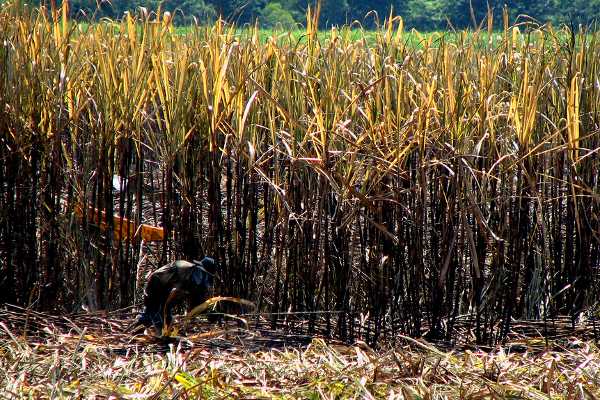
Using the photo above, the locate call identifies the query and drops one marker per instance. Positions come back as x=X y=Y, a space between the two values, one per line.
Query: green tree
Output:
x=576 y=11
x=295 y=7
x=86 y=9
x=359 y=10
x=239 y=11
x=426 y=14
x=189 y=11
x=333 y=12
x=274 y=15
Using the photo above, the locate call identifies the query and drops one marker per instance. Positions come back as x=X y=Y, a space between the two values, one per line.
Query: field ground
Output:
x=89 y=356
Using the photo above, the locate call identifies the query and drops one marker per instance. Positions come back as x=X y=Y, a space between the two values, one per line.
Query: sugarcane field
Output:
x=226 y=211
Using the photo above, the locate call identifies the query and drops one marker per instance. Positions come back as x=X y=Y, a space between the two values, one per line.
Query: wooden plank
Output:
x=123 y=227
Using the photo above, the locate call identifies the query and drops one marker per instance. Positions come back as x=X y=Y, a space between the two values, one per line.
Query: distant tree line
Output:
x=419 y=14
